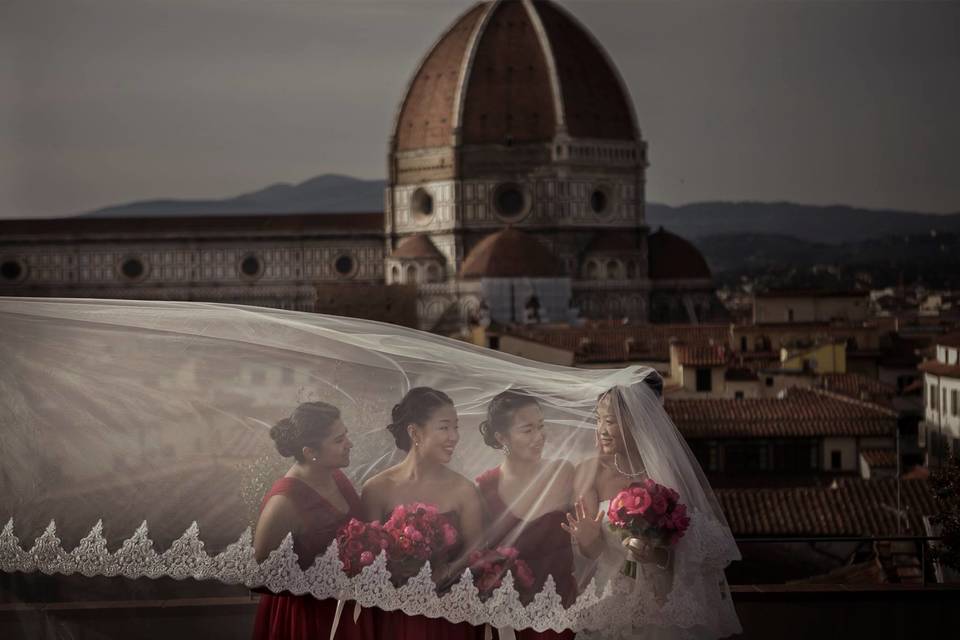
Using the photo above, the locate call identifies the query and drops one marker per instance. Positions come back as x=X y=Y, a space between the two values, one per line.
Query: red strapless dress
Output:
x=542 y=544
x=285 y=616
x=396 y=625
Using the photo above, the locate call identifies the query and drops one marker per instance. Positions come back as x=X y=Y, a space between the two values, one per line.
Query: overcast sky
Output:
x=109 y=101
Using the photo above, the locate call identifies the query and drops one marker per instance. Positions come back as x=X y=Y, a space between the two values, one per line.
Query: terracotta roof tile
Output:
x=417 y=247
x=706 y=355
x=618 y=343
x=855 y=385
x=855 y=508
x=800 y=413
x=940 y=369
x=508 y=89
x=427 y=113
x=880 y=458
x=511 y=253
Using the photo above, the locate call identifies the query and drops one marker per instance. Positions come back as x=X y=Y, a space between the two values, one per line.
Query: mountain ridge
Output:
x=336 y=193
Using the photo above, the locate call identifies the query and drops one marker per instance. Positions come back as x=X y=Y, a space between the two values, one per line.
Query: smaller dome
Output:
x=418 y=247
x=511 y=254
x=673 y=258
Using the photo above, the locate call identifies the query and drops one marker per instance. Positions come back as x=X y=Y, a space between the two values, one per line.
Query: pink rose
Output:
x=509 y=552
x=354 y=527
x=659 y=503
x=366 y=558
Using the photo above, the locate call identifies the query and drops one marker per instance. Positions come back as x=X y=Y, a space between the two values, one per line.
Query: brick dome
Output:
x=514 y=71
x=418 y=247
x=511 y=254
x=673 y=258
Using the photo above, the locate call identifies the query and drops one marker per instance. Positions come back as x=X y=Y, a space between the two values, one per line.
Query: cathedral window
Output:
x=600 y=199
x=345 y=265
x=12 y=270
x=421 y=203
x=251 y=266
x=511 y=201
x=132 y=268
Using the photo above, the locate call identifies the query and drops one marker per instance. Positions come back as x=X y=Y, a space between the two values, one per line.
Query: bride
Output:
x=637 y=442
x=186 y=394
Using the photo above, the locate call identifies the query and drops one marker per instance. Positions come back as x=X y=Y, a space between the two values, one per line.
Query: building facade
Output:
x=516 y=190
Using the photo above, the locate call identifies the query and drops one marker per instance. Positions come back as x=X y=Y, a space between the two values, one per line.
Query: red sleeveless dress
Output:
x=542 y=544
x=285 y=616
x=396 y=625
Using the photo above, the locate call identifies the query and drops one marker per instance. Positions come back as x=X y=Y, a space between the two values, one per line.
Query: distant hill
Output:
x=333 y=193
x=778 y=260
x=833 y=224
x=329 y=193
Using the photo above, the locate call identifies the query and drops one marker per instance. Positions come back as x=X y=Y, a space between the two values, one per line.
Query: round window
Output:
x=511 y=201
x=11 y=270
x=344 y=265
x=132 y=268
x=422 y=204
x=598 y=201
x=251 y=266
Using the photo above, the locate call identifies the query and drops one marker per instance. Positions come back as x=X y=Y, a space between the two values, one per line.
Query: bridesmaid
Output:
x=425 y=427
x=538 y=490
x=311 y=501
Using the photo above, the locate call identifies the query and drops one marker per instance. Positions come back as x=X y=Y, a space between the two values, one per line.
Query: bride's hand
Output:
x=586 y=530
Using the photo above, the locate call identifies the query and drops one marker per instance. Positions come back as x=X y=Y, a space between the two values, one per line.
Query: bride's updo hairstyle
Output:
x=416 y=408
x=309 y=424
x=500 y=413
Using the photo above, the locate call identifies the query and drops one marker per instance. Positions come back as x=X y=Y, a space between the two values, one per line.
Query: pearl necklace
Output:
x=616 y=467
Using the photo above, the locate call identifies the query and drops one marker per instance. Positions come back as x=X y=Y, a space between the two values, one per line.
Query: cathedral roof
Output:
x=514 y=71
x=674 y=258
x=511 y=254
x=418 y=247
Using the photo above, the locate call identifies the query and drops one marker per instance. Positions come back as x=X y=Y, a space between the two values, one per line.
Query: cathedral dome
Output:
x=511 y=254
x=674 y=258
x=418 y=247
x=514 y=71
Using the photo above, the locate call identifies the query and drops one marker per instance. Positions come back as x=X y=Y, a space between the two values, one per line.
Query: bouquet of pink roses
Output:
x=360 y=543
x=488 y=567
x=647 y=511
x=418 y=532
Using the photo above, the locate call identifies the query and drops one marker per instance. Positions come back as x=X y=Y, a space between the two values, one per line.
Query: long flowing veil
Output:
x=135 y=440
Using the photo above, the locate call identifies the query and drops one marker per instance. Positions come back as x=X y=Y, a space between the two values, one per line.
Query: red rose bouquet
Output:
x=488 y=567
x=360 y=543
x=418 y=532
x=649 y=512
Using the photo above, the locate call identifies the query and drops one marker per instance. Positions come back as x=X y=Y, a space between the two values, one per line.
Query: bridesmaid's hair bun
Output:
x=500 y=414
x=310 y=423
x=416 y=407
